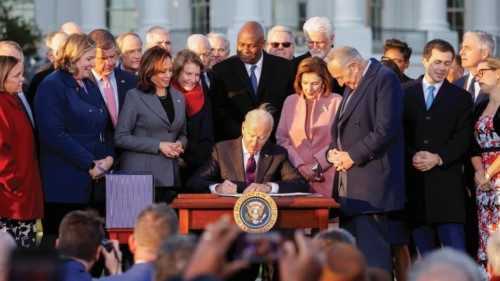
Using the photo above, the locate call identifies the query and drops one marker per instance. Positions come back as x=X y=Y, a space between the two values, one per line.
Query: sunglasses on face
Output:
x=284 y=44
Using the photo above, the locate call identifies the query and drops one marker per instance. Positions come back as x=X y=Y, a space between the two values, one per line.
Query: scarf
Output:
x=195 y=99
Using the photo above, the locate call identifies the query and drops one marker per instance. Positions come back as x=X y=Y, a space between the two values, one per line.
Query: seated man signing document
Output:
x=249 y=163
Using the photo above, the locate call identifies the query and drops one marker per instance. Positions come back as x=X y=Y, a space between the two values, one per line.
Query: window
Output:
x=375 y=18
x=200 y=16
x=121 y=16
x=455 y=13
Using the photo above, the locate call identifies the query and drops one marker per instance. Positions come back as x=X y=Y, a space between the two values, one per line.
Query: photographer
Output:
x=79 y=245
x=151 y=228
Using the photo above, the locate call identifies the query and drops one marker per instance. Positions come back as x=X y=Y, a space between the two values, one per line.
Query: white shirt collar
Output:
x=426 y=84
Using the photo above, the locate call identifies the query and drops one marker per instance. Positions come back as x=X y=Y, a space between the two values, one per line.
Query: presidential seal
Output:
x=255 y=212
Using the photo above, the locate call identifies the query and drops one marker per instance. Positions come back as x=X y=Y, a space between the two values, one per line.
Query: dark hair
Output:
x=151 y=64
x=438 y=44
x=181 y=59
x=103 y=39
x=7 y=63
x=80 y=234
x=317 y=66
x=394 y=67
x=400 y=45
x=458 y=60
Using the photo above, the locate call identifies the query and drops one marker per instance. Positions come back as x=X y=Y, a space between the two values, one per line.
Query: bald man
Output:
x=250 y=78
x=71 y=28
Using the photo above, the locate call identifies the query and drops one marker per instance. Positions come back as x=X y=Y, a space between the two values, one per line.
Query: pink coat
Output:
x=291 y=134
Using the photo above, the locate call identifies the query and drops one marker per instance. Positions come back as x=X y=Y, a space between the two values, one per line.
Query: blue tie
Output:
x=253 y=78
x=430 y=97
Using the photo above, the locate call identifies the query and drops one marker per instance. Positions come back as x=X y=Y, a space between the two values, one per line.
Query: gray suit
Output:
x=142 y=124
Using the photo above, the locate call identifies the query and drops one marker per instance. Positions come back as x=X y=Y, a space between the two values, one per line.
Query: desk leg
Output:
x=184 y=221
x=322 y=218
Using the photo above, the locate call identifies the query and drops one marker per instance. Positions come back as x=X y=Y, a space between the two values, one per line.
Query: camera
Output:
x=258 y=247
x=106 y=244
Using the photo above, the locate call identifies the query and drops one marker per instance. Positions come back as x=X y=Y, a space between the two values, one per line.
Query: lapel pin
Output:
x=179 y=101
x=122 y=81
x=324 y=108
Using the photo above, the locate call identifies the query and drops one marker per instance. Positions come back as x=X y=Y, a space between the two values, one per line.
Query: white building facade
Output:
x=363 y=24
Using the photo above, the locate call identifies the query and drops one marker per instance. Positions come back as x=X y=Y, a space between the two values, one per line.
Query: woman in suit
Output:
x=486 y=149
x=151 y=129
x=306 y=119
x=186 y=79
x=21 y=201
x=76 y=144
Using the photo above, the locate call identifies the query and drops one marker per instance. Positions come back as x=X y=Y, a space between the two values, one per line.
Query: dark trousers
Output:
x=448 y=234
x=371 y=232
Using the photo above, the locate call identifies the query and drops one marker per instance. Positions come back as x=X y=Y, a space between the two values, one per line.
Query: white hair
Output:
x=153 y=30
x=280 y=28
x=443 y=260
x=260 y=115
x=217 y=35
x=343 y=55
x=196 y=40
x=318 y=24
x=485 y=40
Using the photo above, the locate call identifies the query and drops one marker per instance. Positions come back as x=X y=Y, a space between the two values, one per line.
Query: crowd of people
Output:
x=413 y=162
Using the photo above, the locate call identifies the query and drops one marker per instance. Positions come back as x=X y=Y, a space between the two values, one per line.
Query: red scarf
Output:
x=195 y=99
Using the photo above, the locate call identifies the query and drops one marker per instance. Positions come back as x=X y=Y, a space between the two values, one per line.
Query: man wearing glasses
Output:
x=319 y=39
x=399 y=52
x=280 y=42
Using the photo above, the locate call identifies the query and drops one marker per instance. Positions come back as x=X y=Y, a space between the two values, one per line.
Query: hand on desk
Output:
x=227 y=187
x=262 y=187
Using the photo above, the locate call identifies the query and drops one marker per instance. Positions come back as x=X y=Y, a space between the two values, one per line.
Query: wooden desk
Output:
x=197 y=210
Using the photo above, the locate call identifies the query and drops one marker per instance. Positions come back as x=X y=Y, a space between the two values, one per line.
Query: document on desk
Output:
x=276 y=194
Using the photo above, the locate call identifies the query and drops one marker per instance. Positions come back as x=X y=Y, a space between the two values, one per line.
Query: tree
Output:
x=17 y=29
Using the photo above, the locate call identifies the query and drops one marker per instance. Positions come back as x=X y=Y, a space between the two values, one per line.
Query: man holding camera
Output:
x=153 y=226
x=79 y=244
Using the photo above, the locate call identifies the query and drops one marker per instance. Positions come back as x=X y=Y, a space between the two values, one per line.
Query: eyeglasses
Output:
x=397 y=61
x=480 y=72
x=284 y=44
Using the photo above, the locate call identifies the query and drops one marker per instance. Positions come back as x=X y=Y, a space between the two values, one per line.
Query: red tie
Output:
x=109 y=97
x=250 y=170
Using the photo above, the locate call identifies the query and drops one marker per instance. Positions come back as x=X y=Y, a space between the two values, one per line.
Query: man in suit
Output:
x=113 y=82
x=130 y=48
x=476 y=46
x=437 y=137
x=78 y=244
x=319 y=39
x=153 y=226
x=249 y=163
x=219 y=46
x=280 y=42
x=159 y=36
x=367 y=151
x=54 y=41
x=249 y=79
x=456 y=70
x=399 y=52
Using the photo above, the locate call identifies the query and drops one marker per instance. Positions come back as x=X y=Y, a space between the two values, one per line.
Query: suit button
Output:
x=426 y=141
x=169 y=131
x=427 y=118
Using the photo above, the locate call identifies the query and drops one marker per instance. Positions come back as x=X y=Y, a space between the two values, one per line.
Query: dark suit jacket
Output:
x=437 y=196
x=226 y=163
x=124 y=81
x=237 y=97
x=335 y=87
x=73 y=124
x=35 y=82
x=138 y=272
x=214 y=90
x=370 y=131
x=462 y=83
